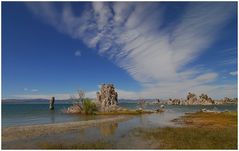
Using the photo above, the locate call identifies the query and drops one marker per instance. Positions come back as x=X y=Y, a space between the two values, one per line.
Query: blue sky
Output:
x=147 y=50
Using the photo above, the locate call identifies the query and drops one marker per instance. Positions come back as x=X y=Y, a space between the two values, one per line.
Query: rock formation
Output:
x=76 y=108
x=205 y=100
x=51 y=103
x=174 y=101
x=107 y=97
x=106 y=101
x=193 y=100
x=227 y=100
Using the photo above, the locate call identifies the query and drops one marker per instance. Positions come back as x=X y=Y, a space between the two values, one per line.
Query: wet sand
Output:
x=26 y=132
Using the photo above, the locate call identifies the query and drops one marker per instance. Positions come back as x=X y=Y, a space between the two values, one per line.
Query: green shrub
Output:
x=89 y=107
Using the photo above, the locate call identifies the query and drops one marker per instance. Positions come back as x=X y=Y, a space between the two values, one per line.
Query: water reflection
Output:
x=108 y=129
x=52 y=116
x=143 y=120
x=82 y=131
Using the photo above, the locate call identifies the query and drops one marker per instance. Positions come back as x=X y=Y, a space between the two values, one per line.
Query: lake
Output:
x=30 y=114
x=118 y=133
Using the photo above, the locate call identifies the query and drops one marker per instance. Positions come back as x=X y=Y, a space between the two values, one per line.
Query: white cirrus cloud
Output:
x=30 y=90
x=78 y=53
x=34 y=90
x=234 y=73
x=132 y=35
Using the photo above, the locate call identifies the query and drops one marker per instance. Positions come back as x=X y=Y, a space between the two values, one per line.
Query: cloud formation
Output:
x=34 y=90
x=133 y=36
x=77 y=53
x=234 y=73
x=31 y=90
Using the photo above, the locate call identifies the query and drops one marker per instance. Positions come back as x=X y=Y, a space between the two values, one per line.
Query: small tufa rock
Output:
x=52 y=101
x=76 y=108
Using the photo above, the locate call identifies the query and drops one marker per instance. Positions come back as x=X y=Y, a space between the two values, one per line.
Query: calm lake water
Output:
x=30 y=114
x=119 y=133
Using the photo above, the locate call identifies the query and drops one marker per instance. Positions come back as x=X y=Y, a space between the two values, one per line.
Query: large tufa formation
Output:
x=204 y=99
x=191 y=99
x=107 y=95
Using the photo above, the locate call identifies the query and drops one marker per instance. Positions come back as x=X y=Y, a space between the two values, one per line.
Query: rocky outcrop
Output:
x=205 y=100
x=107 y=97
x=227 y=100
x=106 y=101
x=76 y=108
x=202 y=100
x=51 y=103
x=192 y=99
x=174 y=101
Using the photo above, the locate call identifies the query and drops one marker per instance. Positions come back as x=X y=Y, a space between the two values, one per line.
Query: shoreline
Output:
x=198 y=130
x=22 y=132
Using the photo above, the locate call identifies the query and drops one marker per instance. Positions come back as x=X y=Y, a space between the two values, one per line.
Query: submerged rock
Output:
x=160 y=110
x=205 y=110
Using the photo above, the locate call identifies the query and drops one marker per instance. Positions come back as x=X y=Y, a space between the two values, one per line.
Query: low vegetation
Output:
x=203 y=131
x=192 y=138
x=209 y=119
x=89 y=107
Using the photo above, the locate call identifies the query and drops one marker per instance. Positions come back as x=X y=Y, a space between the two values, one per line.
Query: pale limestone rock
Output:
x=76 y=108
x=193 y=100
x=107 y=98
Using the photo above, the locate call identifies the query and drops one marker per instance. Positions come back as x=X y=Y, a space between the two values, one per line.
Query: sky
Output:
x=147 y=50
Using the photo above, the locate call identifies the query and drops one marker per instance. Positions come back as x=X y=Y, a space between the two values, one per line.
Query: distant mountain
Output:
x=137 y=100
x=34 y=101
x=46 y=101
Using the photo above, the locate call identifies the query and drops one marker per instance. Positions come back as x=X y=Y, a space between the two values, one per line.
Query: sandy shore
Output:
x=24 y=132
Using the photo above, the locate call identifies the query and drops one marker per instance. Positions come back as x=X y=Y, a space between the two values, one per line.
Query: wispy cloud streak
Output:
x=131 y=35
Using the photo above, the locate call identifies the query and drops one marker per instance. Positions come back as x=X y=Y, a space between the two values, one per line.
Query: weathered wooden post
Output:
x=52 y=101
